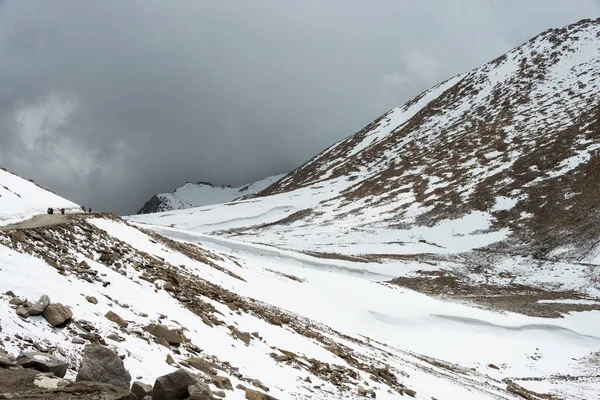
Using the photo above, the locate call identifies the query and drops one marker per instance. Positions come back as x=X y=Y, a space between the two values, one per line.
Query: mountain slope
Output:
x=202 y=194
x=513 y=145
x=21 y=199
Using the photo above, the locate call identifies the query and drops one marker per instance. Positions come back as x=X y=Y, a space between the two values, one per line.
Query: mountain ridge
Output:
x=202 y=193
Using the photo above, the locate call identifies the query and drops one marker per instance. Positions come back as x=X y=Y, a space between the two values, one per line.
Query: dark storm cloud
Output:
x=110 y=102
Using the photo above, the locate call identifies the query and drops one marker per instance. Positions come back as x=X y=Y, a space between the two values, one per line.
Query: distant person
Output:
x=90 y=209
x=50 y=210
x=62 y=211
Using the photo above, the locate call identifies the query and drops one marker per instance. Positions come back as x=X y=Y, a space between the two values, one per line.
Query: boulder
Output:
x=15 y=301
x=141 y=390
x=201 y=365
x=22 y=312
x=91 y=299
x=200 y=391
x=116 y=318
x=39 y=307
x=173 y=386
x=43 y=363
x=57 y=315
x=170 y=335
x=100 y=364
x=222 y=382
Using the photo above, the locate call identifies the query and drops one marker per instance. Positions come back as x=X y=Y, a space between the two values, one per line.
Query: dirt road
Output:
x=42 y=220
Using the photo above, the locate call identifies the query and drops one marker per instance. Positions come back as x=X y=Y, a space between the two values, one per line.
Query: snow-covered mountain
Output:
x=203 y=194
x=446 y=251
x=21 y=199
x=509 y=150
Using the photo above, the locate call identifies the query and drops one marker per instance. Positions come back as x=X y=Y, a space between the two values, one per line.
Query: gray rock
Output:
x=15 y=301
x=116 y=318
x=91 y=299
x=141 y=390
x=22 y=312
x=77 y=340
x=100 y=364
x=222 y=382
x=7 y=361
x=200 y=391
x=57 y=315
x=173 y=386
x=201 y=365
x=170 y=335
x=39 y=307
x=43 y=363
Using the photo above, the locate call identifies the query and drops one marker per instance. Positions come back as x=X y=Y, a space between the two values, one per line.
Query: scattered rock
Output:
x=15 y=301
x=493 y=366
x=97 y=390
x=222 y=382
x=219 y=393
x=77 y=340
x=22 y=312
x=10 y=293
x=243 y=336
x=100 y=364
x=366 y=392
x=91 y=299
x=201 y=365
x=172 y=336
x=57 y=315
x=17 y=237
x=43 y=363
x=255 y=394
x=141 y=390
x=307 y=379
x=200 y=391
x=173 y=386
x=39 y=307
x=170 y=360
x=115 y=337
x=7 y=361
x=259 y=384
x=116 y=318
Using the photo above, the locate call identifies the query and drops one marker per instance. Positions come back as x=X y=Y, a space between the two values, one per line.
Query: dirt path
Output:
x=41 y=220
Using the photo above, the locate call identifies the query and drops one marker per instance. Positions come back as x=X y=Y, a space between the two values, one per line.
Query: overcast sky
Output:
x=109 y=102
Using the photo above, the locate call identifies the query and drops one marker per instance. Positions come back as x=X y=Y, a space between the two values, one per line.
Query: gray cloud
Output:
x=110 y=102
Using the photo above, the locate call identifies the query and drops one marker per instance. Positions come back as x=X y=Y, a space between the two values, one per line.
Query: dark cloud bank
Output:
x=110 y=102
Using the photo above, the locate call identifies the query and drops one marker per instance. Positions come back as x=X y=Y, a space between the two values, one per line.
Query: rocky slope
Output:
x=517 y=139
x=202 y=194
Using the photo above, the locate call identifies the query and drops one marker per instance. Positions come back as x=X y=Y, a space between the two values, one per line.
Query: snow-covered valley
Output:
x=449 y=250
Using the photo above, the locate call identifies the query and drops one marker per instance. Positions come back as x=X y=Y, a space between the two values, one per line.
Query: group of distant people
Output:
x=62 y=210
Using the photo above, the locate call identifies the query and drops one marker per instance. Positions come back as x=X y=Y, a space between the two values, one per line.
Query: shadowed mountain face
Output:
x=517 y=138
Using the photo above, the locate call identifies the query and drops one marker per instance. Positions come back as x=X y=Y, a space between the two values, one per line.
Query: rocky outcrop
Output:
x=44 y=363
x=100 y=364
